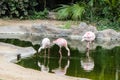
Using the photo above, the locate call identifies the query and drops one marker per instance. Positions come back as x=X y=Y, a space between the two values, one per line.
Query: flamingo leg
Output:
x=87 y=54
x=88 y=45
x=68 y=50
x=45 y=52
x=48 y=52
x=60 y=52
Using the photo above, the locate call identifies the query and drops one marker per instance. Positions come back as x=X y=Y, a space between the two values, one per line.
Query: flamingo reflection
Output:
x=87 y=63
x=44 y=67
x=60 y=70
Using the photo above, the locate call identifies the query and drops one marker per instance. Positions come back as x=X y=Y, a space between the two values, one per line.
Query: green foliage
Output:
x=112 y=3
x=64 y=12
x=39 y=15
x=73 y=12
x=67 y=25
x=104 y=13
x=106 y=23
x=103 y=8
x=111 y=9
x=77 y=11
x=17 y=8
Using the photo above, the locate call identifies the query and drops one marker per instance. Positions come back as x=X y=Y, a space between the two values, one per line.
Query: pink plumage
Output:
x=45 y=44
x=61 y=42
x=89 y=37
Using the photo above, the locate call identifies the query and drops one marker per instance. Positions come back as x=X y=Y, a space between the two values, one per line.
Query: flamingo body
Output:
x=88 y=36
x=45 y=44
x=61 y=42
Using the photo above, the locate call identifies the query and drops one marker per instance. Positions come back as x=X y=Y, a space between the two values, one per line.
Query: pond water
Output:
x=99 y=64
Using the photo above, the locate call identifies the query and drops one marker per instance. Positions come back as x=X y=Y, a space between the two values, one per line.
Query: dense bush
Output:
x=18 y=8
x=39 y=15
x=94 y=11
x=105 y=13
x=103 y=8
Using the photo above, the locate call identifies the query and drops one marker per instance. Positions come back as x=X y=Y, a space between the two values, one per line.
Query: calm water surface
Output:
x=99 y=64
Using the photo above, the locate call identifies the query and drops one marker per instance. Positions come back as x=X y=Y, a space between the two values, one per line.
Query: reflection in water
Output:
x=44 y=67
x=60 y=70
x=87 y=63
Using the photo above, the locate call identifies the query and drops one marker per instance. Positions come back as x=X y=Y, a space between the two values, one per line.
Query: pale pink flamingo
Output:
x=89 y=37
x=61 y=42
x=45 y=44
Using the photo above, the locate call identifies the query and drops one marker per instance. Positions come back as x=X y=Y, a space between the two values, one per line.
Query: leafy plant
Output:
x=77 y=11
x=106 y=23
x=39 y=15
x=17 y=8
x=64 y=12
x=73 y=11
x=112 y=9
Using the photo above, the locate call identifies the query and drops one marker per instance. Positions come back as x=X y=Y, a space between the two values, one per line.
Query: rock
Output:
x=108 y=34
x=13 y=29
x=83 y=25
x=11 y=51
x=82 y=28
x=37 y=32
x=52 y=15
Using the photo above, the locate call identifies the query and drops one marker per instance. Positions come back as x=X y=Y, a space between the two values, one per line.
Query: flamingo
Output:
x=61 y=42
x=45 y=44
x=89 y=37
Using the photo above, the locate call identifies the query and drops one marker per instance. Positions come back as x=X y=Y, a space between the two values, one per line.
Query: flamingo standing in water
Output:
x=45 y=44
x=61 y=42
x=89 y=37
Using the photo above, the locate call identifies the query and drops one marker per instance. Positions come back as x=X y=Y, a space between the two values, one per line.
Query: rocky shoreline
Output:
x=107 y=38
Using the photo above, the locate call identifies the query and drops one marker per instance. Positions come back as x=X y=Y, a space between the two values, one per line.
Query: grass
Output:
x=67 y=25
